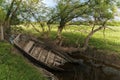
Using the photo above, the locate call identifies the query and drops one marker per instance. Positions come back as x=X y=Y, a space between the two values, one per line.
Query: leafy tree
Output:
x=35 y=13
x=67 y=10
x=52 y=17
x=101 y=12
x=14 y=9
x=10 y=9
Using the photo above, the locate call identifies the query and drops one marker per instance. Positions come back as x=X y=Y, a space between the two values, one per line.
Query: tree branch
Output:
x=9 y=11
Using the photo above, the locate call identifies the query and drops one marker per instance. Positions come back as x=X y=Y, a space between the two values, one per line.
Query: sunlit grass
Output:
x=74 y=34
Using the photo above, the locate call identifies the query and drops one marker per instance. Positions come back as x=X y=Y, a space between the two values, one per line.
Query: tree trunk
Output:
x=49 y=27
x=59 y=32
x=35 y=27
x=42 y=26
x=2 y=33
x=59 y=36
x=86 y=41
x=14 y=12
x=9 y=10
x=49 y=30
x=6 y=30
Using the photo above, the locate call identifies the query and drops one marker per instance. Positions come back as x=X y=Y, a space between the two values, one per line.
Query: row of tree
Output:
x=95 y=12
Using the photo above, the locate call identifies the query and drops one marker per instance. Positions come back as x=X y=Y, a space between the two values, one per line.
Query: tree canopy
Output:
x=95 y=12
x=67 y=10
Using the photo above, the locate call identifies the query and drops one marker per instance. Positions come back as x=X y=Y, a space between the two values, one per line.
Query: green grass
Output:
x=111 y=40
x=15 y=67
x=114 y=23
x=74 y=35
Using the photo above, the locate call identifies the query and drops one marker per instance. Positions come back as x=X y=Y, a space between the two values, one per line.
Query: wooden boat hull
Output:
x=39 y=53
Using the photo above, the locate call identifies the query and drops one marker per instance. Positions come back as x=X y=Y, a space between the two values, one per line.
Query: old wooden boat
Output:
x=40 y=52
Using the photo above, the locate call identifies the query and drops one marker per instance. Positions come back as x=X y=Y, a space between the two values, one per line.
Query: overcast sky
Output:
x=49 y=3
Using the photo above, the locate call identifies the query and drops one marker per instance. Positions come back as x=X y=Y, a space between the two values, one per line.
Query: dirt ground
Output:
x=86 y=72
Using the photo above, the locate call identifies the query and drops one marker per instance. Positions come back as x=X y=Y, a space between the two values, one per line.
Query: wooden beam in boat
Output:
x=28 y=46
x=36 y=52
x=47 y=57
x=40 y=53
x=51 y=59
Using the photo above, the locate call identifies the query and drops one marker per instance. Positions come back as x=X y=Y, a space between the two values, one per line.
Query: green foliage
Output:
x=22 y=10
x=118 y=3
x=15 y=67
x=1 y=1
x=102 y=10
x=66 y=10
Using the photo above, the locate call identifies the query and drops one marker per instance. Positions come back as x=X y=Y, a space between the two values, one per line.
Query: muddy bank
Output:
x=87 y=72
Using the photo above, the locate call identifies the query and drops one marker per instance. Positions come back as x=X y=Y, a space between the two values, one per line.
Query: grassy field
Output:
x=111 y=40
x=15 y=67
x=74 y=35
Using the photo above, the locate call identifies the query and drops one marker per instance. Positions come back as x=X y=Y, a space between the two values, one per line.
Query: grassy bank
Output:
x=74 y=35
x=110 y=40
x=15 y=67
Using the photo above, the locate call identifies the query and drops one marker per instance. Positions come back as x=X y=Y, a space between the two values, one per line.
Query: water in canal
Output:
x=86 y=72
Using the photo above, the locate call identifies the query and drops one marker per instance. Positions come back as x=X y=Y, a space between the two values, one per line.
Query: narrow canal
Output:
x=86 y=72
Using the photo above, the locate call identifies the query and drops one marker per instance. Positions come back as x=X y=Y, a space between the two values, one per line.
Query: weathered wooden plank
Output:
x=43 y=55
x=28 y=46
x=42 y=58
x=56 y=64
x=17 y=39
x=40 y=53
x=57 y=61
x=36 y=52
x=47 y=57
x=31 y=52
x=51 y=59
